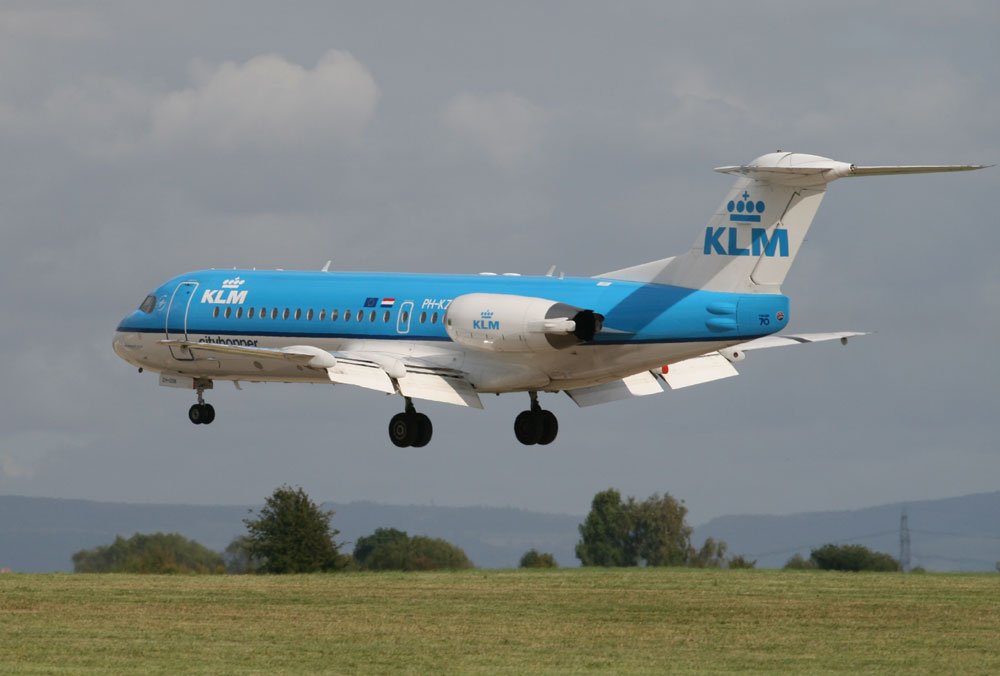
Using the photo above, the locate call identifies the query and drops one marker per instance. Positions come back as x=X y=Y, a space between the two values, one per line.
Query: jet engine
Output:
x=507 y=323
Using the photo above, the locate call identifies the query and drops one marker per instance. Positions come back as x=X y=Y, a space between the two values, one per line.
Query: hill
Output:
x=961 y=534
x=41 y=534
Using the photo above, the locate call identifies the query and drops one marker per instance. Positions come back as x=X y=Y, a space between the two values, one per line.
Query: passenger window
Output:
x=274 y=313
x=284 y=314
x=406 y=316
x=298 y=313
x=322 y=314
x=250 y=313
x=229 y=311
x=434 y=318
x=347 y=315
x=423 y=317
x=385 y=317
x=148 y=304
x=309 y=314
x=334 y=313
x=239 y=312
x=360 y=315
x=263 y=312
x=371 y=316
x=215 y=311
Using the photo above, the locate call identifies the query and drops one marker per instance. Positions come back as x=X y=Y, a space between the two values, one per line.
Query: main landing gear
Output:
x=201 y=413
x=410 y=428
x=536 y=426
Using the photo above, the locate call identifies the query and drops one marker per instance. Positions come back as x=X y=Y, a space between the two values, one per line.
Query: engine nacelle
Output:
x=506 y=323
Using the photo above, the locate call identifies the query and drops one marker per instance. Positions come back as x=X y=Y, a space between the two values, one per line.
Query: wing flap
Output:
x=698 y=370
x=369 y=376
x=435 y=387
x=638 y=385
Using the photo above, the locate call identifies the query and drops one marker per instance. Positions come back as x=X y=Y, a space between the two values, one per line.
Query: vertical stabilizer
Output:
x=753 y=237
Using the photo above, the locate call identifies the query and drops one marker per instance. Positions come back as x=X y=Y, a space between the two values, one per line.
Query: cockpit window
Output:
x=148 y=304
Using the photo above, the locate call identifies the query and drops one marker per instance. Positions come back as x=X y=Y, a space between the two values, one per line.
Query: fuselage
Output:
x=644 y=325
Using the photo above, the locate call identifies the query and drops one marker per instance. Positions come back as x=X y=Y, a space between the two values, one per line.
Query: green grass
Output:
x=633 y=620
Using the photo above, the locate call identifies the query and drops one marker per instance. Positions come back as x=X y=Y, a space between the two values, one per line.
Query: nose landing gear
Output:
x=201 y=413
x=536 y=426
x=410 y=428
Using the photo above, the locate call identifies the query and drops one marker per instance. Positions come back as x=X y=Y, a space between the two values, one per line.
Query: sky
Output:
x=140 y=140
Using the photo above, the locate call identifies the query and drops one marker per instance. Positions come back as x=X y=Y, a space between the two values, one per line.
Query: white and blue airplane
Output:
x=678 y=321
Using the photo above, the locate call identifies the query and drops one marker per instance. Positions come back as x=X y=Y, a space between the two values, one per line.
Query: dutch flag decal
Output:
x=388 y=302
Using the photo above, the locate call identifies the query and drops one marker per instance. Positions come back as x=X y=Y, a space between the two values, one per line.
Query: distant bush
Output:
x=155 y=553
x=392 y=549
x=740 y=561
x=799 y=562
x=852 y=558
x=535 y=559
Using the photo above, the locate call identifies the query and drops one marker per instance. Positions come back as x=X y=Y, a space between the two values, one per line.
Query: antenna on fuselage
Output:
x=326 y=268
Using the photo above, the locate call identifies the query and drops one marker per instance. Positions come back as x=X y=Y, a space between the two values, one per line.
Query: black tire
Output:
x=196 y=414
x=402 y=430
x=550 y=428
x=424 y=430
x=528 y=427
x=208 y=414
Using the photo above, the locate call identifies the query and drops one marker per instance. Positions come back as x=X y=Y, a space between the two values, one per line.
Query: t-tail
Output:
x=753 y=237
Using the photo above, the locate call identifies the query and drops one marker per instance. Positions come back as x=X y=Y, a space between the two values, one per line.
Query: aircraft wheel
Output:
x=424 y=430
x=208 y=414
x=528 y=428
x=196 y=414
x=550 y=427
x=403 y=429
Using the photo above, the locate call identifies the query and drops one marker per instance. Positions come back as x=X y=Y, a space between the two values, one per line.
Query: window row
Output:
x=334 y=315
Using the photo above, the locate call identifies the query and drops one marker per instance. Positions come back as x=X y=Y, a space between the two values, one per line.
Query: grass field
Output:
x=635 y=620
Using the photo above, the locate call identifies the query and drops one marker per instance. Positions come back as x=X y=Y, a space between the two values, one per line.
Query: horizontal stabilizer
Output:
x=799 y=169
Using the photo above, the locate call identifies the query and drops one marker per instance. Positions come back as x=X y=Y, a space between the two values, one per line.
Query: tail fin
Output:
x=753 y=237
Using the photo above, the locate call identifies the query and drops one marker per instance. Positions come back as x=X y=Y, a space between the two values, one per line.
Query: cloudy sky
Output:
x=140 y=140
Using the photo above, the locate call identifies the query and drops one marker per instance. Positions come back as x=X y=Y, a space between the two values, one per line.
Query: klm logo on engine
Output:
x=486 y=322
x=732 y=240
x=229 y=294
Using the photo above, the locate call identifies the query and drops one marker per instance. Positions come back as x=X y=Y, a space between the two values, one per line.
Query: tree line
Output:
x=292 y=534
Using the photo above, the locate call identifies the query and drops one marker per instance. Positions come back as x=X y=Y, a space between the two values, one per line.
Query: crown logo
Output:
x=233 y=283
x=745 y=210
x=486 y=314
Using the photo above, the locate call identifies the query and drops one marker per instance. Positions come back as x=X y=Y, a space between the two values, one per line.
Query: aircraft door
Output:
x=403 y=319
x=175 y=327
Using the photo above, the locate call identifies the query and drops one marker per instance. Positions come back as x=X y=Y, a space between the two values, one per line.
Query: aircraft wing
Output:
x=694 y=371
x=419 y=378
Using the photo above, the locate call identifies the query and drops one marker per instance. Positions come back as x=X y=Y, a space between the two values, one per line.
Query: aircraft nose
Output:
x=127 y=345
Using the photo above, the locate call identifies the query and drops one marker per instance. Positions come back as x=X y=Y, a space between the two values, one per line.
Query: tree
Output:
x=389 y=544
x=852 y=558
x=238 y=558
x=711 y=555
x=152 y=553
x=799 y=562
x=535 y=559
x=606 y=533
x=391 y=549
x=291 y=534
x=660 y=537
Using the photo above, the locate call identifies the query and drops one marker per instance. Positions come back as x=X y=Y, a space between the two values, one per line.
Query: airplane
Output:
x=677 y=321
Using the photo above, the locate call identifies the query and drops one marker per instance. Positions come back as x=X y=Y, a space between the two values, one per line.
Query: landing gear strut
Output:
x=536 y=426
x=201 y=413
x=410 y=428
